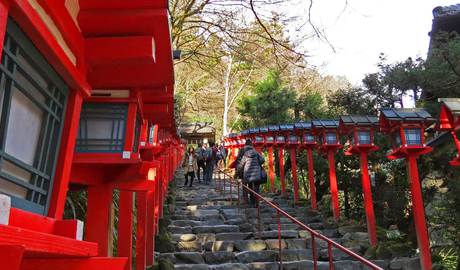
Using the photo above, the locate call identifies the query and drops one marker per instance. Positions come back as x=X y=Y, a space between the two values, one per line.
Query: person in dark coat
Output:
x=249 y=168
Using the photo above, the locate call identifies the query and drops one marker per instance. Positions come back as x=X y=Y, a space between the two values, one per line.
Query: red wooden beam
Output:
x=73 y=263
x=44 y=244
x=132 y=75
x=27 y=220
x=125 y=22
x=111 y=52
x=66 y=153
x=122 y=4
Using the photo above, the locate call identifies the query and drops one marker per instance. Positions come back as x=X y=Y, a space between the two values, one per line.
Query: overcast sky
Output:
x=398 y=28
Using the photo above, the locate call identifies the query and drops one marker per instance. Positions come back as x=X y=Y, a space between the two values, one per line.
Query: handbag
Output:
x=263 y=174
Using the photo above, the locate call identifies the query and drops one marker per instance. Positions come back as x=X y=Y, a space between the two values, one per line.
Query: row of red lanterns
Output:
x=406 y=127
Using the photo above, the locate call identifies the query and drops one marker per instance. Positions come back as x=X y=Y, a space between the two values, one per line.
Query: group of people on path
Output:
x=248 y=166
x=206 y=156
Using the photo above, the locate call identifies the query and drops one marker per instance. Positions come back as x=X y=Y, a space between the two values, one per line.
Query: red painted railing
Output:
x=228 y=180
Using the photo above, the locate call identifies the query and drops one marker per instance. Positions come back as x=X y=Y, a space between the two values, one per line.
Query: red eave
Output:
x=122 y=4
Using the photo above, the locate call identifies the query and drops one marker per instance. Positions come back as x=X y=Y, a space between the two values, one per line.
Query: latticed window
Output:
x=293 y=139
x=331 y=138
x=152 y=134
x=364 y=137
x=102 y=127
x=270 y=139
x=413 y=136
x=259 y=139
x=32 y=106
x=280 y=139
x=309 y=138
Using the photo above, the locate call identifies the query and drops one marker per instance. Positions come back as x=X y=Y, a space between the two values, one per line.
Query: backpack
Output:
x=200 y=156
x=214 y=153
x=208 y=155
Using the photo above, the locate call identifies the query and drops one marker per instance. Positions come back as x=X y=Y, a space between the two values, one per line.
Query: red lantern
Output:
x=308 y=142
x=449 y=121
x=360 y=130
x=406 y=128
x=327 y=134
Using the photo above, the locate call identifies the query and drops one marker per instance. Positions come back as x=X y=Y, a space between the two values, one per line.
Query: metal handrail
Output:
x=313 y=233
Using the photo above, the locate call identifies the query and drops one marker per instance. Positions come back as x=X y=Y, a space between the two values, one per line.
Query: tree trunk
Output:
x=226 y=90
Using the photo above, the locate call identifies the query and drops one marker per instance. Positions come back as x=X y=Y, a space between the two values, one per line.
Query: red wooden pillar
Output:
x=66 y=151
x=98 y=217
x=333 y=184
x=419 y=214
x=368 y=205
x=150 y=227
x=281 y=163
x=141 y=230
x=295 y=181
x=271 y=169
x=157 y=200
x=125 y=227
x=311 y=178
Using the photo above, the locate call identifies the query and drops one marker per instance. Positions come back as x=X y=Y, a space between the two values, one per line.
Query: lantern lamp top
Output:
x=245 y=132
x=303 y=126
x=273 y=128
x=348 y=122
x=391 y=117
x=325 y=124
x=287 y=127
x=263 y=130
x=253 y=130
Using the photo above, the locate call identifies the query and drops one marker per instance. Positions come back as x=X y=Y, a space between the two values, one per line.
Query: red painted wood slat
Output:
x=36 y=243
x=74 y=263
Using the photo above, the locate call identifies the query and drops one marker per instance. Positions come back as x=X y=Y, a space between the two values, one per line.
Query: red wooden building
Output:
x=86 y=103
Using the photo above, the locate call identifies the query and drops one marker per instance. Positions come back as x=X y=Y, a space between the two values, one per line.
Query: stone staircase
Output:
x=212 y=233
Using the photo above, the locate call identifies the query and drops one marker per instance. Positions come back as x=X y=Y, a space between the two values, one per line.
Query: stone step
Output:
x=216 y=229
x=257 y=256
x=212 y=233
x=274 y=234
x=283 y=227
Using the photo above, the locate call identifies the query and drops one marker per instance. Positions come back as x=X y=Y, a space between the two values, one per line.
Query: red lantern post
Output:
x=360 y=129
x=449 y=121
x=326 y=131
x=269 y=142
x=308 y=142
x=280 y=142
x=406 y=127
x=292 y=142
